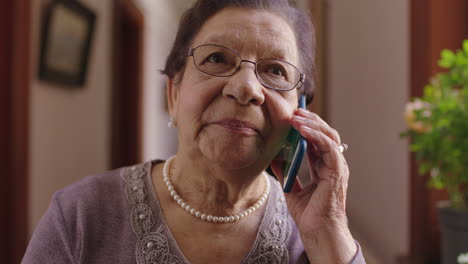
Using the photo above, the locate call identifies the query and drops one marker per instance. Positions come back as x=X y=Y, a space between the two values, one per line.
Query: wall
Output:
x=368 y=84
x=161 y=23
x=70 y=133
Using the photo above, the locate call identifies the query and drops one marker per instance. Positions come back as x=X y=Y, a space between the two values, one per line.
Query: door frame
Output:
x=14 y=126
x=126 y=138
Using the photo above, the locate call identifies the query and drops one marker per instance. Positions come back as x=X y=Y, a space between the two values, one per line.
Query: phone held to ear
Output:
x=295 y=150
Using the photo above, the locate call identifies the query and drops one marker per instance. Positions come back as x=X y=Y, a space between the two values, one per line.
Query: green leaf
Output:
x=447 y=59
x=465 y=45
x=436 y=182
x=414 y=148
x=460 y=59
x=423 y=168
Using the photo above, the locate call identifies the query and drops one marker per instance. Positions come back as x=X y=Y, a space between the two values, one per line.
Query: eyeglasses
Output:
x=217 y=60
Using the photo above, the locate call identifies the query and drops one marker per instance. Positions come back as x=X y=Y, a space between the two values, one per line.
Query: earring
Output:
x=171 y=122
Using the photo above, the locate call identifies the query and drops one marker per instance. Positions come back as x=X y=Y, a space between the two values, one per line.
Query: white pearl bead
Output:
x=210 y=218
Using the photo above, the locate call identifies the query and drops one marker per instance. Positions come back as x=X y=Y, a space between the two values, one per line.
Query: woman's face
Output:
x=235 y=121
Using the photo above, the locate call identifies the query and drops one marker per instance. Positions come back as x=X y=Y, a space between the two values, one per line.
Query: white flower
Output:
x=410 y=116
x=434 y=172
x=463 y=258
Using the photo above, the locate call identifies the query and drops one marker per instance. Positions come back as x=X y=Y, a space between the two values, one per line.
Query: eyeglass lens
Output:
x=221 y=61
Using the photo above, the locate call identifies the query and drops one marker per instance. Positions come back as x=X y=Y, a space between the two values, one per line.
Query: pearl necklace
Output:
x=207 y=217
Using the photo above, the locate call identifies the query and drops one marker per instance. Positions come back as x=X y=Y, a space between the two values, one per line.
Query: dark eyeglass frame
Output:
x=299 y=83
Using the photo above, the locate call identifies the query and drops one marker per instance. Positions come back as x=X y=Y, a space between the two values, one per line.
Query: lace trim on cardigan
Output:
x=272 y=246
x=154 y=247
x=151 y=247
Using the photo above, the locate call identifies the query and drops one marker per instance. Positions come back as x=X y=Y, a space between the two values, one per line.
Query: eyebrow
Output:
x=273 y=51
x=217 y=39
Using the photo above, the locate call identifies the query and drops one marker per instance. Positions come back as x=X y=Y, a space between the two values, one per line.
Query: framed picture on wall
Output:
x=66 y=38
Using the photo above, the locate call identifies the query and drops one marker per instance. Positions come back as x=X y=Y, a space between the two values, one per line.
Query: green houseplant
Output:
x=438 y=127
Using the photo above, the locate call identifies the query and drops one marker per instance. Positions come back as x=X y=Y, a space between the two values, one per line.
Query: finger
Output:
x=305 y=117
x=311 y=115
x=312 y=152
x=312 y=158
x=328 y=148
x=277 y=166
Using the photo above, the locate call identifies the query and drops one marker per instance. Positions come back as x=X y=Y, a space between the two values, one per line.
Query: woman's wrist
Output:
x=330 y=244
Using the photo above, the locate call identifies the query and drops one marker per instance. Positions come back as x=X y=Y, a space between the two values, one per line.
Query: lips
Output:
x=238 y=125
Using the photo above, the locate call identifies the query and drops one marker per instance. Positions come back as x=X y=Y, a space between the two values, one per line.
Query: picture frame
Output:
x=66 y=38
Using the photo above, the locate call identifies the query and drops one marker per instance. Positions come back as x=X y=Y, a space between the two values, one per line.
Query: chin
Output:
x=233 y=156
x=234 y=162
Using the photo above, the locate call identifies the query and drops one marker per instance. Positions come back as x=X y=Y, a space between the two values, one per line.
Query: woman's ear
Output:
x=172 y=96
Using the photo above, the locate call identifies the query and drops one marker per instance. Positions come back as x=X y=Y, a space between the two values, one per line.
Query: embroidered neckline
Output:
x=156 y=244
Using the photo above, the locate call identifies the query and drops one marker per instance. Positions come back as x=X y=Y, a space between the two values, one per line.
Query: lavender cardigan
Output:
x=115 y=217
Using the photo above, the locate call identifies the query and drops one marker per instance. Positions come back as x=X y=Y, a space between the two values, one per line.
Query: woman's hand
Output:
x=319 y=209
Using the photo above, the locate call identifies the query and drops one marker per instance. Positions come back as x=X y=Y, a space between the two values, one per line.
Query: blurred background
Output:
x=81 y=93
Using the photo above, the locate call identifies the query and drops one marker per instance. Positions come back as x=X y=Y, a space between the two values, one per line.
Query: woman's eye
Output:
x=216 y=58
x=277 y=71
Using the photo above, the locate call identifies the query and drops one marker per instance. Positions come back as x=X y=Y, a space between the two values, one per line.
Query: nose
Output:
x=244 y=86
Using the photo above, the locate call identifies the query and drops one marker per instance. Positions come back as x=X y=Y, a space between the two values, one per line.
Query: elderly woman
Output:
x=235 y=74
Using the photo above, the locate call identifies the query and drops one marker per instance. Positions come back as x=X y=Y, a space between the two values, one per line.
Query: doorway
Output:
x=127 y=84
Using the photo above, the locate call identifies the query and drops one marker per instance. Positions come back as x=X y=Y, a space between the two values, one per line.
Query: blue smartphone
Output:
x=295 y=151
